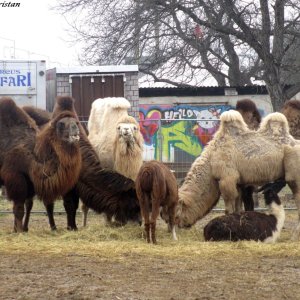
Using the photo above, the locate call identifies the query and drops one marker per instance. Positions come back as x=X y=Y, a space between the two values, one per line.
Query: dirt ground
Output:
x=145 y=275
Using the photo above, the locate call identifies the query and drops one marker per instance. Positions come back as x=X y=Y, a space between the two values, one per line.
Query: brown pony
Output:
x=156 y=187
x=45 y=162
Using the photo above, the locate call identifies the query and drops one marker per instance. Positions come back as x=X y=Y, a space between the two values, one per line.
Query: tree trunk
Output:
x=277 y=95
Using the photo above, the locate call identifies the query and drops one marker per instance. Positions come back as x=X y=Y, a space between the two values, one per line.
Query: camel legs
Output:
x=85 y=211
x=28 y=208
x=71 y=202
x=171 y=223
x=50 y=213
x=296 y=193
x=230 y=193
x=18 y=209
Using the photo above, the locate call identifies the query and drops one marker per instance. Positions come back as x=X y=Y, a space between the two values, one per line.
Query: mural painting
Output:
x=178 y=133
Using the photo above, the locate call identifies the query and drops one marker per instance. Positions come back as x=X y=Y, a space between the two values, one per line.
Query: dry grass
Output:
x=100 y=262
x=100 y=240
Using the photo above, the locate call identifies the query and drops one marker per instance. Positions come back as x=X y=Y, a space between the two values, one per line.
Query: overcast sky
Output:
x=36 y=32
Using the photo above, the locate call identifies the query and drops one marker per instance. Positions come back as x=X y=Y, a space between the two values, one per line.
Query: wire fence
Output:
x=175 y=142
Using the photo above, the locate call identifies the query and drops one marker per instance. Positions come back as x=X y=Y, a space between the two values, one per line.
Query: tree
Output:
x=183 y=42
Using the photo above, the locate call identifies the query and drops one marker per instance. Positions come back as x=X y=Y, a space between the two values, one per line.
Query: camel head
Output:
x=66 y=128
x=181 y=219
x=127 y=129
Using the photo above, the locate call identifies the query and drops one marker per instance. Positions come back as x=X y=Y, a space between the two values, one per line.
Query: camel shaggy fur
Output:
x=247 y=108
x=44 y=162
x=116 y=138
x=291 y=110
x=238 y=155
x=105 y=114
x=128 y=148
x=102 y=190
x=156 y=187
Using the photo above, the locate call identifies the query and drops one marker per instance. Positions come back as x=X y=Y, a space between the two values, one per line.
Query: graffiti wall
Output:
x=178 y=133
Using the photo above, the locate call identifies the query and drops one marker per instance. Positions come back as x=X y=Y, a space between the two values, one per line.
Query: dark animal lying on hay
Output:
x=247 y=108
x=156 y=187
x=44 y=162
x=102 y=190
x=251 y=225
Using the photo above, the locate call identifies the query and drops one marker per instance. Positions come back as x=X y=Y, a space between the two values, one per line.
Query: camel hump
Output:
x=12 y=115
x=245 y=105
x=65 y=103
x=295 y=104
x=118 y=103
x=7 y=105
x=275 y=117
x=111 y=102
x=231 y=116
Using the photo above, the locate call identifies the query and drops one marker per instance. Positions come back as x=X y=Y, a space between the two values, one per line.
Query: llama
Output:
x=156 y=187
x=44 y=162
x=235 y=156
x=251 y=225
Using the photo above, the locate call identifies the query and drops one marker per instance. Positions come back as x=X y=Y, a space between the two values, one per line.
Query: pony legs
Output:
x=154 y=216
x=171 y=225
x=146 y=214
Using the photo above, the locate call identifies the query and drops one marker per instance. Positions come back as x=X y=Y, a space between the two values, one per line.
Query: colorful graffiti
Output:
x=171 y=132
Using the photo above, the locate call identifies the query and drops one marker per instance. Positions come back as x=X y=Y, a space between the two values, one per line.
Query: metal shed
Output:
x=87 y=83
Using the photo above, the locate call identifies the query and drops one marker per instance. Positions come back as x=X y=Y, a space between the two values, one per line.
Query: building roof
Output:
x=97 y=69
x=202 y=91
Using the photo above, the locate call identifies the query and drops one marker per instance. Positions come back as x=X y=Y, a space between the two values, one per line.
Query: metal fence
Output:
x=176 y=142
